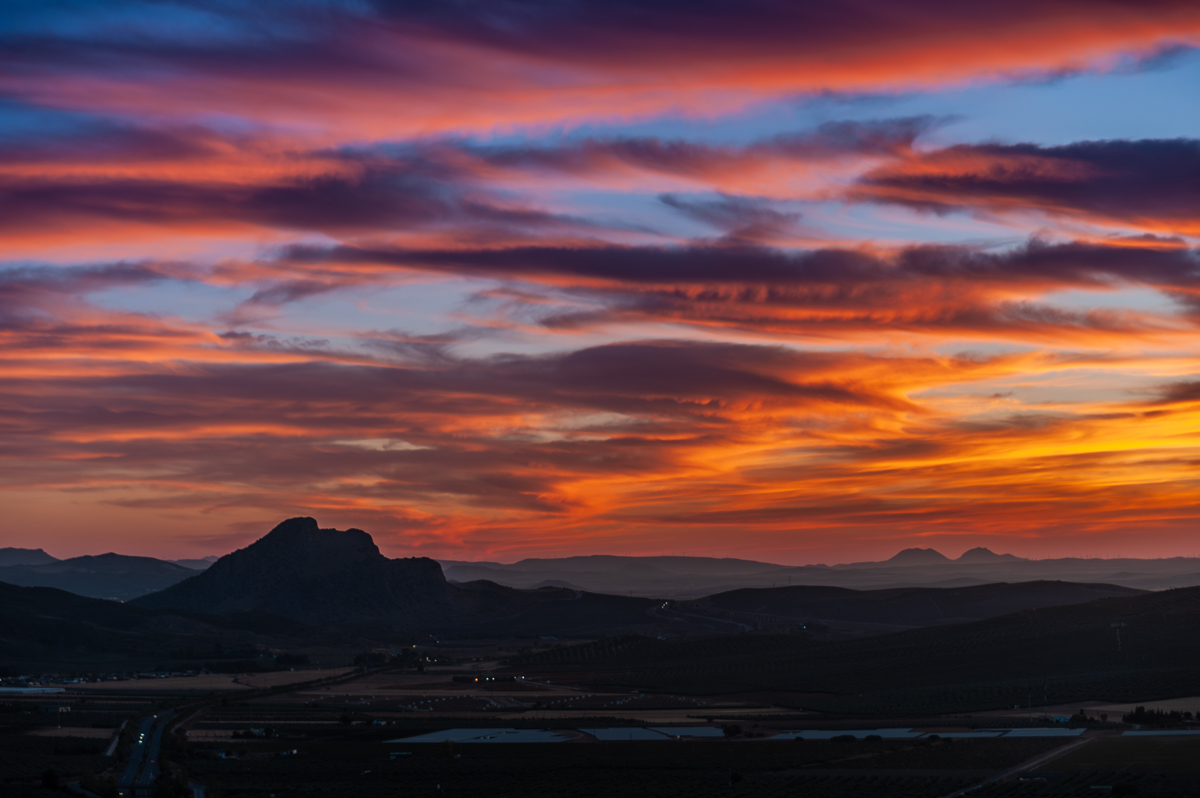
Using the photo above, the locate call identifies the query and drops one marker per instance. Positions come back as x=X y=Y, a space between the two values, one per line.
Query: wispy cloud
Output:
x=589 y=276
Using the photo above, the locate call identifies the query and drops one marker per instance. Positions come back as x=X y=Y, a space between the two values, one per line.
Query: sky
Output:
x=800 y=282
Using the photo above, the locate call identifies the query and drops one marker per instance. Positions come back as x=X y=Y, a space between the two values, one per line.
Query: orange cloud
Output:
x=606 y=382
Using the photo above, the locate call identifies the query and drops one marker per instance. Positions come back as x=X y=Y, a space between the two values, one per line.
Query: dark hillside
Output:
x=571 y=613
x=47 y=629
x=1068 y=653
x=912 y=606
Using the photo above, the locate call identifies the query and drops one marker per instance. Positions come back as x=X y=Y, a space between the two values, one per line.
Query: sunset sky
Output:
x=803 y=282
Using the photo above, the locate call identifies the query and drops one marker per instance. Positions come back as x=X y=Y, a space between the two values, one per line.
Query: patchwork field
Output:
x=1189 y=704
x=289 y=734
x=1167 y=754
x=211 y=682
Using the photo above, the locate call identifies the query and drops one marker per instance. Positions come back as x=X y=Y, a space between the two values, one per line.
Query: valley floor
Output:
x=338 y=732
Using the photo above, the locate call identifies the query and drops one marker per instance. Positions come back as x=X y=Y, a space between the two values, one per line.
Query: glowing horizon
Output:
x=543 y=280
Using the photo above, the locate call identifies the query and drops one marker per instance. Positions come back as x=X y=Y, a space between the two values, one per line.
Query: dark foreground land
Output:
x=346 y=732
x=308 y=664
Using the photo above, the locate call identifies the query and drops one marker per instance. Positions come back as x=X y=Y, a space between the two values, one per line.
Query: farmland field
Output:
x=1167 y=754
x=242 y=742
x=1189 y=704
x=212 y=682
x=649 y=769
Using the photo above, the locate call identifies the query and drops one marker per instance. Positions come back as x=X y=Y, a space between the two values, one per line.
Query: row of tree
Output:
x=1157 y=717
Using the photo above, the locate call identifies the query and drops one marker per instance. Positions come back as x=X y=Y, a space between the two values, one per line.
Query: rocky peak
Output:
x=979 y=554
x=300 y=542
x=916 y=556
x=313 y=575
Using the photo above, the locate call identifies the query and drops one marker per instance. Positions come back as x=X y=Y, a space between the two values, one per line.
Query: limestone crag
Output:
x=316 y=576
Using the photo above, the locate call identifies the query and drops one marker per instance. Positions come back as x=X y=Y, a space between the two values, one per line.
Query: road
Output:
x=143 y=767
x=112 y=747
x=1032 y=764
x=151 y=769
x=138 y=754
x=665 y=610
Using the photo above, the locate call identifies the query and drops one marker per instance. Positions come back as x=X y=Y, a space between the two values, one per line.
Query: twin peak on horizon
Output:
x=302 y=539
x=979 y=554
x=334 y=549
x=303 y=572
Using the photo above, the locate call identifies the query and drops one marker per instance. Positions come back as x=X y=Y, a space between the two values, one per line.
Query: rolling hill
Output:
x=687 y=578
x=1119 y=648
x=111 y=576
x=48 y=629
x=659 y=577
x=907 y=606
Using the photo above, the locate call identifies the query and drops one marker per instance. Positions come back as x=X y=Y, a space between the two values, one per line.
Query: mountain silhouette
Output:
x=316 y=576
x=111 y=576
x=10 y=556
x=327 y=577
x=918 y=557
x=981 y=555
x=196 y=563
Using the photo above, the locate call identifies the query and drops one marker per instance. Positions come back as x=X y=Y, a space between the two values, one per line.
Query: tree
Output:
x=286 y=660
x=369 y=659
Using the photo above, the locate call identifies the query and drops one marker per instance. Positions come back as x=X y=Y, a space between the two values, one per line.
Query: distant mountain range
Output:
x=918 y=557
x=301 y=583
x=693 y=577
x=11 y=556
x=125 y=578
x=197 y=564
x=981 y=555
x=327 y=577
x=110 y=576
x=934 y=557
